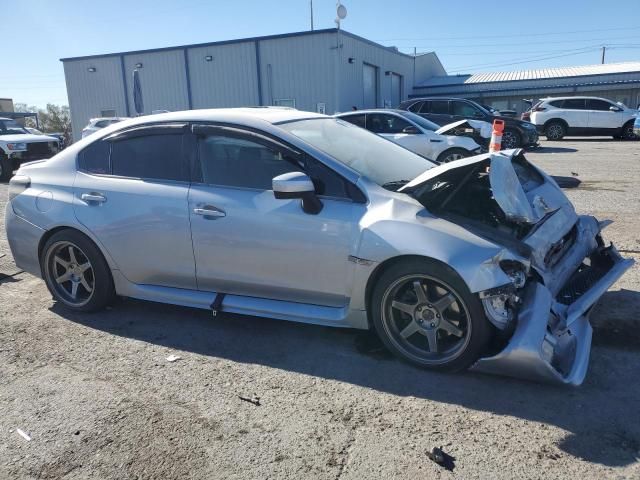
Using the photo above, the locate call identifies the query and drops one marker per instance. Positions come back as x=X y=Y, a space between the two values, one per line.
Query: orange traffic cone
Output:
x=496 y=136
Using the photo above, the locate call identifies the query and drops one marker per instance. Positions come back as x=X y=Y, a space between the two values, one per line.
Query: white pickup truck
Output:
x=18 y=146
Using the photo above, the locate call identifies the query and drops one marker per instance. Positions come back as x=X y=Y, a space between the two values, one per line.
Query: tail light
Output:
x=539 y=109
x=17 y=185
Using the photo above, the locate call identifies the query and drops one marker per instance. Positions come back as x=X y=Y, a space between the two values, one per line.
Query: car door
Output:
x=437 y=111
x=247 y=242
x=400 y=131
x=575 y=113
x=601 y=115
x=131 y=193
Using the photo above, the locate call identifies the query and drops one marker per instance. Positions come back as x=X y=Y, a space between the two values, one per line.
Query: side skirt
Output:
x=259 y=307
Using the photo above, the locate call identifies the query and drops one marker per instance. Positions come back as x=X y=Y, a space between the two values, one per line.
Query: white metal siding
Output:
x=163 y=80
x=228 y=80
x=299 y=68
x=91 y=92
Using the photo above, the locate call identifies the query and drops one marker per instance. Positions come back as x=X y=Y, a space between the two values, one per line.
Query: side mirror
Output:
x=411 y=130
x=297 y=185
x=615 y=109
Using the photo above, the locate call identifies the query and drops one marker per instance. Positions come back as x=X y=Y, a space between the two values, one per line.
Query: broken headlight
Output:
x=500 y=305
x=515 y=271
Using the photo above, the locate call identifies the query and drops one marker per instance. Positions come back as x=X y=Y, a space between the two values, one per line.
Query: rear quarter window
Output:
x=95 y=158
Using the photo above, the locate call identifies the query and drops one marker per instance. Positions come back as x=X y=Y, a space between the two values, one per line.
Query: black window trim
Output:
x=262 y=137
x=141 y=131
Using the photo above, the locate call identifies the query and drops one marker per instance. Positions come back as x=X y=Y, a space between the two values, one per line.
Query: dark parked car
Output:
x=442 y=111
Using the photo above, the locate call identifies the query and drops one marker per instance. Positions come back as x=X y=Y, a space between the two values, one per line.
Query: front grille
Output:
x=585 y=277
x=40 y=148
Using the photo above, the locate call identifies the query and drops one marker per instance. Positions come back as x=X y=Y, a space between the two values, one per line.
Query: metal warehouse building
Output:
x=324 y=70
x=619 y=82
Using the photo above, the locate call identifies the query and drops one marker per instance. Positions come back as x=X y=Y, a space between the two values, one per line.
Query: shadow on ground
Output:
x=555 y=150
x=600 y=419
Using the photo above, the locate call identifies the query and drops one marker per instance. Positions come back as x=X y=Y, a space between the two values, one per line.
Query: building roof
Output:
x=540 y=74
x=242 y=40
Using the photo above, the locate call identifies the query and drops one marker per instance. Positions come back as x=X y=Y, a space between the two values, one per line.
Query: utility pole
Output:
x=311 y=8
x=604 y=49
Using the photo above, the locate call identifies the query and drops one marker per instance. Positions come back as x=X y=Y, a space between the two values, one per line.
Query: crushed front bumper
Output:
x=552 y=338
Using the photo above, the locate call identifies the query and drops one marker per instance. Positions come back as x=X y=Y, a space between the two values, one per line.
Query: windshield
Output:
x=11 y=127
x=374 y=157
x=422 y=122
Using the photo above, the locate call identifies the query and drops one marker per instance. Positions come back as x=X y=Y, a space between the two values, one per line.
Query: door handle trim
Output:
x=209 y=212
x=93 y=197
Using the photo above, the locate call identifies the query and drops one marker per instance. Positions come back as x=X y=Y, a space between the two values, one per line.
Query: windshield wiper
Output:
x=395 y=185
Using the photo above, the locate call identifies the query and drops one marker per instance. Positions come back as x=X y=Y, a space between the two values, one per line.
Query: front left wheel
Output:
x=424 y=313
x=75 y=272
x=452 y=154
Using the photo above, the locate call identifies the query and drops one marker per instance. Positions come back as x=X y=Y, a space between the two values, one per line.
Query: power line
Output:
x=510 y=35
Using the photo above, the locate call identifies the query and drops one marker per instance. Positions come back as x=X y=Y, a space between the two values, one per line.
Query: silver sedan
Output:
x=481 y=262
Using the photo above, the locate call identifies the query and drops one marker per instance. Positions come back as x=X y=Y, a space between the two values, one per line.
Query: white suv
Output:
x=582 y=116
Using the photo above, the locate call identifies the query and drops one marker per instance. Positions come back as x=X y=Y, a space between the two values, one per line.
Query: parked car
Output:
x=58 y=136
x=446 y=110
x=415 y=133
x=96 y=124
x=582 y=116
x=494 y=111
x=298 y=216
x=18 y=145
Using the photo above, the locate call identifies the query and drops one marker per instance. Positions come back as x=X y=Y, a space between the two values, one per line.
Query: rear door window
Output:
x=574 y=104
x=415 y=108
x=440 y=107
x=389 y=124
x=150 y=156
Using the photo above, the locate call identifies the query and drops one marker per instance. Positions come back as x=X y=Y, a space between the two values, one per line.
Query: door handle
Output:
x=211 y=212
x=93 y=197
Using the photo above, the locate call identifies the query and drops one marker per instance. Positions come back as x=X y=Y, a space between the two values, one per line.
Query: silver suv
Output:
x=583 y=116
x=297 y=216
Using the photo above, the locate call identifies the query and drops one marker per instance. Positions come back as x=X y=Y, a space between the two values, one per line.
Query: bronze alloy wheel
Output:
x=426 y=319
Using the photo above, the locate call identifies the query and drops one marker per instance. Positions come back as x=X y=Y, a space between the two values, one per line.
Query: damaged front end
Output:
x=557 y=262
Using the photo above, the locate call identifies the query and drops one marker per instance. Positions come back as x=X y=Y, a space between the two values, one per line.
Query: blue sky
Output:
x=468 y=36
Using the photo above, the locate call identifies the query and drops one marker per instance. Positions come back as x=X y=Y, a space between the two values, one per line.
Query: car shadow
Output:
x=555 y=150
x=601 y=424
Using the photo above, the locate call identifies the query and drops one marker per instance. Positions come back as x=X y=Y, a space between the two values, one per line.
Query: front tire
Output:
x=6 y=168
x=452 y=154
x=555 y=131
x=511 y=139
x=425 y=314
x=627 y=132
x=76 y=273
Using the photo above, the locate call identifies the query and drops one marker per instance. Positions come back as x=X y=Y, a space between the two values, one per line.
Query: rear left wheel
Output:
x=425 y=314
x=76 y=273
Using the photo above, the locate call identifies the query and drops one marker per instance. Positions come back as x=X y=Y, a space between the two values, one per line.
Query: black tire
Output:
x=452 y=154
x=6 y=168
x=627 y=132
x=469 y=320
x=97 y=275
x=555 y=130
x=511 y=139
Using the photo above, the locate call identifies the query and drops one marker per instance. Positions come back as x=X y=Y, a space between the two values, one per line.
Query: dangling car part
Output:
x=478 y=130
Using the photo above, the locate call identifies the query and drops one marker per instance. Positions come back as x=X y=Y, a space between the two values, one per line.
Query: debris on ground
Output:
x=23 y=434
x=173 y=358
x=443 y=459
x=254 y=400
x=567 y=182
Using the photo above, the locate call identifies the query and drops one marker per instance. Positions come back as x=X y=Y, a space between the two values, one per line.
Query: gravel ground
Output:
x=99 y=399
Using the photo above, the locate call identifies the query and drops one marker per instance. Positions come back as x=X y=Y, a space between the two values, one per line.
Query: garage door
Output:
x=370 y=86
x=396 y=90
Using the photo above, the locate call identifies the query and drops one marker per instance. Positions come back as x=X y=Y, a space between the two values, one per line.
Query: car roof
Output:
x=575 y=96
x=271 y=115
x=373 y=110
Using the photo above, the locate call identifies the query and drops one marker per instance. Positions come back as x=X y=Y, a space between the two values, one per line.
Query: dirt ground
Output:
x=99 y=399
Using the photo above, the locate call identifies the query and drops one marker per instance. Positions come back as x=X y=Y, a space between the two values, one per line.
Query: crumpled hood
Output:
x=483 y=127
x=27 y=138
x=507 y=187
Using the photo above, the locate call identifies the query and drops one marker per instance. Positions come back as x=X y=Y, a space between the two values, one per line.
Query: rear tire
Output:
x=555 y=131
x=425 y=314
x=6 y=168
x=76 y=273
x=452 y=154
